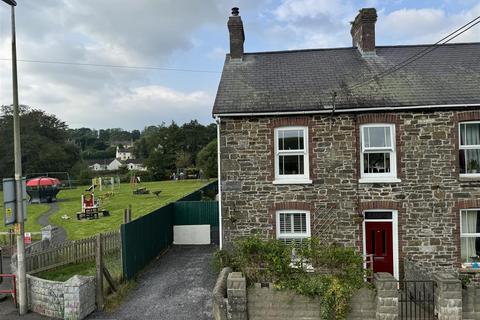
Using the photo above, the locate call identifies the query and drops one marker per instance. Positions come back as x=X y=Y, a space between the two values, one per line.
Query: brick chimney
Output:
x=237 y=35
x=363 y=31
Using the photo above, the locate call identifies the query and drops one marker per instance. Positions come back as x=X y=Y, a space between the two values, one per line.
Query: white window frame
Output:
x=379 y=177
x=467 y=235
x=467 y=147
x=292 y=178
x=282 y=236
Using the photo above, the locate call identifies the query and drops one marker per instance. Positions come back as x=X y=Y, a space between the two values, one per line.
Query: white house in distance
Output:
x=115 y=164
x=124 y=153
x=136 y=164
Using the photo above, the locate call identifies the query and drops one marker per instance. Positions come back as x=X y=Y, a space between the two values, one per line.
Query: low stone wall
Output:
x=220 y=295
x=73 y=299
x=232 y=301
x=267 y=303
x=471 y=302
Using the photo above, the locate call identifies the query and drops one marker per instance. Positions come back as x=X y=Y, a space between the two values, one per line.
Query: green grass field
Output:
x=69 y=202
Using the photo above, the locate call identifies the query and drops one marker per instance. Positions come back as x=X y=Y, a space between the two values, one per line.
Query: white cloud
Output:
x=113 y=32
x=426 y=25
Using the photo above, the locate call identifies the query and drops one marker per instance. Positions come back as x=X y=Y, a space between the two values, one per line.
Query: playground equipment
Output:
x=43 y=189
x=134 y=180
x=90 y=206
x=64 y=177
x=101 y=182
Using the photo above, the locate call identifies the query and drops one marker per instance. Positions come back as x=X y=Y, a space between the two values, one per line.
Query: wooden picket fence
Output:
x=72 y=252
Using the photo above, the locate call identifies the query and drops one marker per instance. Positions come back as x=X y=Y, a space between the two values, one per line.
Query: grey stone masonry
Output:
x=448 y=296
x=45 y=297
x=236 y=296
x=363 y=305
x=471 y=303
x=428 y=196
x=387 y=296
x=220 y=295
x=269 y=304
x=79 y=297
x=73 y=299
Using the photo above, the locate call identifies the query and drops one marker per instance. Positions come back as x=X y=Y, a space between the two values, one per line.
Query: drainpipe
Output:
x=220 y=228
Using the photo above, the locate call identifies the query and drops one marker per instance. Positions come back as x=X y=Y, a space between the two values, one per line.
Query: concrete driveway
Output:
x=177 y=286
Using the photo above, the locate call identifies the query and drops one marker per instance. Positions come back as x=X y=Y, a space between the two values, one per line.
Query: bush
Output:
x=338 y=271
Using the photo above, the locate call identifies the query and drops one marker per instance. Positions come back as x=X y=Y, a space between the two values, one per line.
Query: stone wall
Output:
x=73 y=299
x=471 y=303
x=448 y=297
x=427 y=198
x=220 y=295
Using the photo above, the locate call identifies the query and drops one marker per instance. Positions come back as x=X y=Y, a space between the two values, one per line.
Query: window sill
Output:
x=300 y=181
x=469 y=177
x=379 y=180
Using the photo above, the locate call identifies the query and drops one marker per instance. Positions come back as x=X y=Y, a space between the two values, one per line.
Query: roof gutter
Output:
x=354 y=110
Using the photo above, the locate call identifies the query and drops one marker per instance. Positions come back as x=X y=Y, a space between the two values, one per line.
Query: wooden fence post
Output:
x=99 y=273
x=129 y=212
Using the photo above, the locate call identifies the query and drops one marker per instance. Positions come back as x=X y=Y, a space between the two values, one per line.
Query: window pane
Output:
x=470 y=221
x=285 y=223
x=470 y=134
x=376 y=162
x=293 y=223
x=472 y=160
x=292 y=164
x=378 y=215
x=377 y=137
x=470 y=249
x=290 y=139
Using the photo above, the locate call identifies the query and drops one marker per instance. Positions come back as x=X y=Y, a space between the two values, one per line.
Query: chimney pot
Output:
x=363 y=31
x=237 y=34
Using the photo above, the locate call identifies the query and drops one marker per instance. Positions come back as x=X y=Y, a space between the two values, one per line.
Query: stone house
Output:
x=355 y=147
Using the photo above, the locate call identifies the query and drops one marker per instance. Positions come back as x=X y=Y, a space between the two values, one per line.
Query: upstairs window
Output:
x=293 y=226
x=469 y=148
x=378 y=157
x=470 y=235
x=291 y=155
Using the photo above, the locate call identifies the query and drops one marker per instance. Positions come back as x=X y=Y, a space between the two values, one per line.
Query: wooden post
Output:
x=129 y=212
x=125 y=216
x=99 y=274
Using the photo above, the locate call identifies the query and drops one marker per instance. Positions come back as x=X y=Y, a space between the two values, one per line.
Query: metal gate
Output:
x=417 y=300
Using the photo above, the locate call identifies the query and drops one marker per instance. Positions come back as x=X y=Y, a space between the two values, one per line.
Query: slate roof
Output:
x=304 y=80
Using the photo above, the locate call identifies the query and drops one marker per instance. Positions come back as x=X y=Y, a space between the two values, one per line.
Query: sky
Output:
x=180 y=34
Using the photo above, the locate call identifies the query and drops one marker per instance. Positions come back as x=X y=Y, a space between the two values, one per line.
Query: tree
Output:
x=207 y=160
x=44 y=141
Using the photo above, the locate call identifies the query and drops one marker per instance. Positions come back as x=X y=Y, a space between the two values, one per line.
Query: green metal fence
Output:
x=196 y=212
x=211 y=188
x=144 y=238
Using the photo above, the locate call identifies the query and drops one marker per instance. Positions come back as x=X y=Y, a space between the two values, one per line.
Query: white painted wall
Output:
x=197 y=234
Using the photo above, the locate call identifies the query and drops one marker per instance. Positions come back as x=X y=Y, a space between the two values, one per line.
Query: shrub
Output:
x=338 y=271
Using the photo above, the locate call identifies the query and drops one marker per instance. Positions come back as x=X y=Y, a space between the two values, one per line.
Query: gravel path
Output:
x=43 y=221
x=177 y=286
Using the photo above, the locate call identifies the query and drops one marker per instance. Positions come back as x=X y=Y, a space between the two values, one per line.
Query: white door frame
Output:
x=394 y=222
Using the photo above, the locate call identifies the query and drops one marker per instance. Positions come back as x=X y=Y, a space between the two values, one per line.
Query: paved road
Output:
x=178 y=286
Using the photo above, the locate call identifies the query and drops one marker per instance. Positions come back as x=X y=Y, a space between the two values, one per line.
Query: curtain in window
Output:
x=469 y=225
x=472 y=137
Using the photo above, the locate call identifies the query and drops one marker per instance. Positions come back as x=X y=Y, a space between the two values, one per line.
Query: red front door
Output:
x=379 y=242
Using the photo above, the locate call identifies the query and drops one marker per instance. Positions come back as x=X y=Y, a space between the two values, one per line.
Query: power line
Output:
x=112 y=66
x=420 y=54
